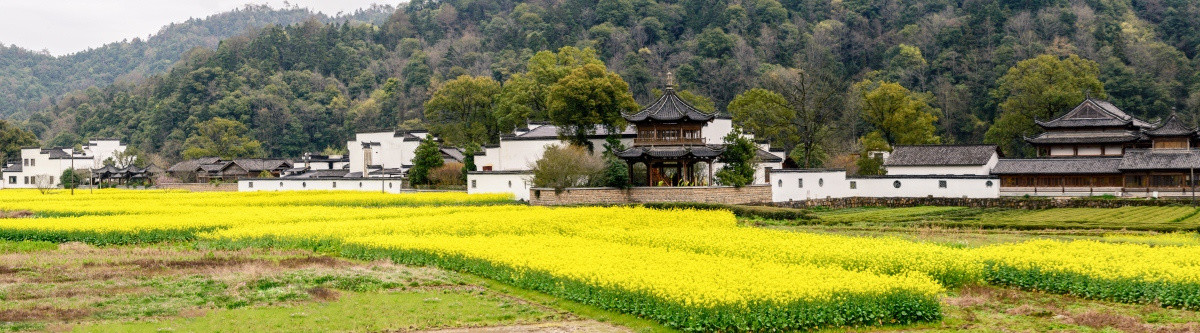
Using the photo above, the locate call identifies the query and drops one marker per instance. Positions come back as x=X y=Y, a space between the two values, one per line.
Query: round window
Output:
x=821 y=182
x=988 y=183
x=896 y=184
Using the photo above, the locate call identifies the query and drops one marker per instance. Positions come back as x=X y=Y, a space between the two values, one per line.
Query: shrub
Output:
x=449 y=174
x=568 y=166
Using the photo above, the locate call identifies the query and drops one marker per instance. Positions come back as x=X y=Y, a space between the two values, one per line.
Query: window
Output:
x=853 y=185
x=988 y=183
x=487 y=168
x=821 y=182
x=334 y=184
x=941 y=184
x=26 y=180
x=32 y=162
x=896 y=184
x=25 y=161
x=250 y=184
x=360 y=184
x=303 y=184
x=472 y=183
x=781 y=183
x=801 y=182
x=389 y=185
x=509 y=184
x=52 y=179
x=12 y=179
x=280 y=184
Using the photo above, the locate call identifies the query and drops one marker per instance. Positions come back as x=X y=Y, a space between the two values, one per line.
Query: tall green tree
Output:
x=427 y=157
x=740 y=158
x=12 y=138
x=220 y=137
x=461 y=111
x=525 y=96
x=1039 y=88
x=901 y=116
x=590 y=97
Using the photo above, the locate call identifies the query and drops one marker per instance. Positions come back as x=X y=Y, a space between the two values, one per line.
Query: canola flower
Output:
x=689 y=269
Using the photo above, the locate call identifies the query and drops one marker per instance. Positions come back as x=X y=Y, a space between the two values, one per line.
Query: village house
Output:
x=208 y=169
x=43 y=167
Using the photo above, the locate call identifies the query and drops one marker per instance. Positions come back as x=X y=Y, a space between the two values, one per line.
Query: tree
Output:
x=525 y=96
x=131 y=156
x=461 y=113
x=449 y=174
x=71 y=178
x=469 y=161
x=793 y=113
x=616 y=171
x=567 y=166
x=740 y=158
x=220 y=137
x=899 y=115
x=868 y=163
x=1039 y=88
x=590 y=96
x=12 y=138
x=427 y=158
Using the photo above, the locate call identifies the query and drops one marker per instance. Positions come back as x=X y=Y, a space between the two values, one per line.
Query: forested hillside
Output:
x=309 y=86
x=30 y=80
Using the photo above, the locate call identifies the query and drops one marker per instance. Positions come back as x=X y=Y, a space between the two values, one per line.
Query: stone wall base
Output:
x=200 y=187
x=753 y=194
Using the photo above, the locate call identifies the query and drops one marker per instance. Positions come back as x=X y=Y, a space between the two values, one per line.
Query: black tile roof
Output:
x=933 y=155
x=1034 y=166
x=1053 y=137
x=1160 y=159
x=550 y=132
x=670 y=107
x=192 y=165
x=1172 y=127
x=1094 y=113
x=706 y=151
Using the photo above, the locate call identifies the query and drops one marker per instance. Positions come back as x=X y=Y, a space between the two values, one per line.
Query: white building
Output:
x=808 y=184
x=382 y=154
x=48 y=164
x=978 y=160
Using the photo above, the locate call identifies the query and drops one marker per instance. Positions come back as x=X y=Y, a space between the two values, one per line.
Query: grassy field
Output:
x=325 y=261
x=1171 y=218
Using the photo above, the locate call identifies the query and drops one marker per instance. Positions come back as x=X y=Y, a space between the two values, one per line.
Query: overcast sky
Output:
x=67 y=26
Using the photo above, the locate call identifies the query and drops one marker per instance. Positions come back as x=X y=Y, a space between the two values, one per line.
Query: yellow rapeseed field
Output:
x=689 y=269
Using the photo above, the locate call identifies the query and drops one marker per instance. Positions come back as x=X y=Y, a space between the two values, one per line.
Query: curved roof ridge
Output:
x=670 y=107
x=1171 y=127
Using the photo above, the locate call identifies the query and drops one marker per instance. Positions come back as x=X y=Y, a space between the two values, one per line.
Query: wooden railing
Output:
x=666 y=141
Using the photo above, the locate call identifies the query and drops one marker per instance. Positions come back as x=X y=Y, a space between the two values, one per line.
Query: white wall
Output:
x=805 y=184
x=1062 y=151
x=829 y=184
x=348 y=184
x=34 y=163
x=391 y=153
x=912 y=187
x=1089 y=150
x=516 y=183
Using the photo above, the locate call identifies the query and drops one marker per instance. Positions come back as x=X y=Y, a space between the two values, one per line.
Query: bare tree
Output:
x=44 y=183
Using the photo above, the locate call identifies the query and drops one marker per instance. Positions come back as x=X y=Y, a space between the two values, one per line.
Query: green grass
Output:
x=361 y=312
x=25 y=246
x=1144 y=218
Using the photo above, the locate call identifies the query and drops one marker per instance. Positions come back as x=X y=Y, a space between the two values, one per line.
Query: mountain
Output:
x=309 y=86
x=31 y=80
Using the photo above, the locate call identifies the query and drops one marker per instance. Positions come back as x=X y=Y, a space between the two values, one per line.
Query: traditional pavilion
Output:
x=669 y=143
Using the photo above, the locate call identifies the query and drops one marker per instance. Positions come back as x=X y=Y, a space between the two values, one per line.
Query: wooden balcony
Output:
x=667 y=141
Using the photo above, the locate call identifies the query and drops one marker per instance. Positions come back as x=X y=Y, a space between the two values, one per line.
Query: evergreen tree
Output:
x=427 y=158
